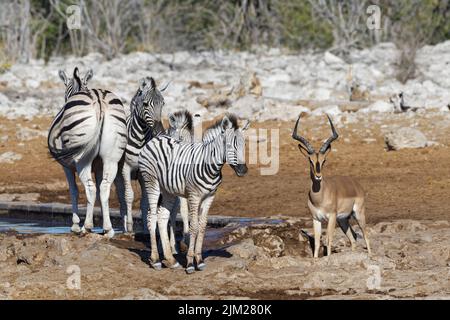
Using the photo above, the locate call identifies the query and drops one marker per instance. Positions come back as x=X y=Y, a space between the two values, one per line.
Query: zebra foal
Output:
x=171 y=168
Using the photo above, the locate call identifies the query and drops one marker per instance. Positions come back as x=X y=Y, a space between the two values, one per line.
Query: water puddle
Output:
x=23 y=226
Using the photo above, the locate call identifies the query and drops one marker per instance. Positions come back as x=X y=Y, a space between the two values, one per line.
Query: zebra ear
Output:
x=88 y=76
x=246 y=126
x=152 y=83
x=172 y=120
x=62 y=76
x=226 y=123
x=142 y=83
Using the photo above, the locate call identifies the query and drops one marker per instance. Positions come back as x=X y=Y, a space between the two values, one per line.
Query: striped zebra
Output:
x=143 y=124
x=89 y=134
x=191 y=170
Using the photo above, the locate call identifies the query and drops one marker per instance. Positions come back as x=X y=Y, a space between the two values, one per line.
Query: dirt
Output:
x=405 y=184
x=411 y=259
x=407 y=212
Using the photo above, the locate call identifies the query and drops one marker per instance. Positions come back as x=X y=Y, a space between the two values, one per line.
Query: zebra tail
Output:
x=82 y=150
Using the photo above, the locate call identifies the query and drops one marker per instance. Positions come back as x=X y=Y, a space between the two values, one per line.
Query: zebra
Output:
x=191 y=170
x=89 y=129
x=143 y=124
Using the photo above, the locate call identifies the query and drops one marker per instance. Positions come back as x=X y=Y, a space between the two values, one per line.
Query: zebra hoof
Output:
x=176 y=265
x=75 y=228
x=201 y=266
x=109 y=234
x=85 y=230
x=190 y=269
x=156 y=265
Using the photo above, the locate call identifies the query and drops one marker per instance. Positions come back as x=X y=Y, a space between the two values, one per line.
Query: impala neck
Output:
x=317 y=186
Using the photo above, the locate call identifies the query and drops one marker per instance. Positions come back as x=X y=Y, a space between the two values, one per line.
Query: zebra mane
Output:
x=187 y=115
x=233 y=119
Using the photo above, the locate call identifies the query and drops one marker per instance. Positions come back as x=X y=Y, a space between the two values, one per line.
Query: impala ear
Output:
x=62 y=76
x=327 y=151
x=303 y=150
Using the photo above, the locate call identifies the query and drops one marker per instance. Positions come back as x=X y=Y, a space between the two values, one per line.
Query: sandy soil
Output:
x=407 y=211
x=406 y=184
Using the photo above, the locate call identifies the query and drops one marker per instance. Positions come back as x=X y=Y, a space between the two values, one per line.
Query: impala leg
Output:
x=109 y=174
x=344 y=224
x=203 y=219
x=330 y=232
x=86 y=178
x=73 y=189
x=360 y=217
x=317 y=233
x=193 y=203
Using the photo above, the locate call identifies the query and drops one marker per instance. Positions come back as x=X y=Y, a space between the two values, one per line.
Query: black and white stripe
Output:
x=91 y=126
x=192 y=170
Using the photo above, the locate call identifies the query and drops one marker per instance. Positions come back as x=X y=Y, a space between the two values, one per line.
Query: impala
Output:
x=334 y=198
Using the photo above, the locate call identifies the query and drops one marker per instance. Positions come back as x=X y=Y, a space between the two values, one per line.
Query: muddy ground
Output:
x=407 y=212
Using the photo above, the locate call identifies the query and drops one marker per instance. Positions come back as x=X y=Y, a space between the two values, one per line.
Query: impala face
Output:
x=316 y=159
x=316 y=162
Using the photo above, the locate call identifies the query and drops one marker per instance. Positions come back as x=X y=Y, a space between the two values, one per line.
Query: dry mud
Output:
x=410 y=260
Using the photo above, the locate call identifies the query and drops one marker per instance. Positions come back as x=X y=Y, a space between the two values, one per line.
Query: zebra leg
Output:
x=86 y=178
x=184 y=212
x=109 y=174
x=203 y=219
x=193 y=203
x=120 y=191
x=164 y=213
x=129 y=197
x=73 y=189
x=153 y=193
x=144 y=203
x=173 y=223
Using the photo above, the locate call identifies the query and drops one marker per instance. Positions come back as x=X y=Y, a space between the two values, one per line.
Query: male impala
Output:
x=334 y=198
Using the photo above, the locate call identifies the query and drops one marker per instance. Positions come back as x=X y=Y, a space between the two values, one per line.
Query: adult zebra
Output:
x=89 y=129
x=143 y=124
x=191 y=170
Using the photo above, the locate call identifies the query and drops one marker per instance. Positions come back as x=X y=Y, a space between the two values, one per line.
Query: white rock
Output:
x=405 y=137
x=10 y=157
x=378 y=106
x=330 y=58
x=331 y=110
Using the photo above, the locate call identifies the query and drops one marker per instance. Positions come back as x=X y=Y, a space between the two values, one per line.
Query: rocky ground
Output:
x=400 y=158
x=410 y=260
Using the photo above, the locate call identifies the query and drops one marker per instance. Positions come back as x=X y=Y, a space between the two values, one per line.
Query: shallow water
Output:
x=28 y=227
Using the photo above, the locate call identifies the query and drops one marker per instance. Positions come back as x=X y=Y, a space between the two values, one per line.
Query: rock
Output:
x=143 y=294
x=330 y=58
x=405 y=137
x=246 y=249
x=378 y=106
x=246 y=106
x=332 y=110
x=273 y=245
x=25 y=134
x=10 y=157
